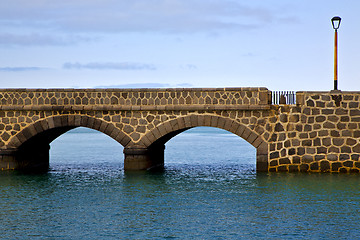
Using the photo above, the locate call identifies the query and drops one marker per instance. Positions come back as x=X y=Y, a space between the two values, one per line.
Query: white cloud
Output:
x=20 y=69
x=170 y=16
x=110 y=66
x=38 y=39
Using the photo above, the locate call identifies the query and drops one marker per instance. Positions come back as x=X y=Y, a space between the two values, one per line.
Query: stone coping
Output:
x=135 y=107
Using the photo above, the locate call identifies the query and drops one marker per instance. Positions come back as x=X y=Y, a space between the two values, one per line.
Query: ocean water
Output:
x=209 y=190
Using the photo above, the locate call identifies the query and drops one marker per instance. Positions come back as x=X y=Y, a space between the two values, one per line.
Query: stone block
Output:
x=201 y=120
x=314 y=166
x=214 y=121
x=274 y=155
x=304 y=167
x=109 y=129
x=284 y=161
x=246 y=133
x=252 y=137
x=348 y=164
x=345 y=149
x=274 y=163
x=194 y=120
x=344 y=157
x=207 y=121
x=307 y=159
x=343 y=170
x=262 y=149
x=188 y=122
x=283 y=168
x=258 y=141
x=335 y=166
x=295 y=159
x=279 y=127
x=97 y=124
x=294 y=168
x=357 y=164
x=338 y=141
x=221 y=123
x=300 y=151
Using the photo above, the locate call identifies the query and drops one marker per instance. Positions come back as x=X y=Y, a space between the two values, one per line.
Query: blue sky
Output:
x=281 y=45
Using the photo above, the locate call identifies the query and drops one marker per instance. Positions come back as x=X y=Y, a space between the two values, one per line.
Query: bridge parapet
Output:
x=133 y=99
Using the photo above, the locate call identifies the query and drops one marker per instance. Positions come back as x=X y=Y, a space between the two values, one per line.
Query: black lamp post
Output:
x=336 y=24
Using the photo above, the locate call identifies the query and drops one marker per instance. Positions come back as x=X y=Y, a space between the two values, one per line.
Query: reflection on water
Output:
x=90 y=197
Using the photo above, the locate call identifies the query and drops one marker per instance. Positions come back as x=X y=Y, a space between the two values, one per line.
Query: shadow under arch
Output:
x=158 y=136
x=31 y=145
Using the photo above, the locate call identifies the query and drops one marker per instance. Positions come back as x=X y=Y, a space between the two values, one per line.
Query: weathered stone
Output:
x=284 y=118
x=324 y=166
x=307 y=128
x=332 y=157
x=348 y=164
x=274 y=155
x=293 y=168
x=314 y=166
x=284 y=161
x=344 y=157
x=306 y=143
x=334 y=133
x=345 y=149
x=304 y=167
x=335 y=166
x=320 y=119
x=343 y=170
x=279 y=127
x=329 y=125
x=283 y=168
x=338 y=141
x=310 y=103
x=357 y=164
x=319 y=157
x=334 y=150
x=317 y=142
x=274 y=163
x=300 y=151
x=321 y=150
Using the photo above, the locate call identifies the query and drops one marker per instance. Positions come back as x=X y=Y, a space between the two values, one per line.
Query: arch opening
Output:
x=83 y=149
x=155 y=140
x=33 y=154
x=210 y=146
x=28 y=150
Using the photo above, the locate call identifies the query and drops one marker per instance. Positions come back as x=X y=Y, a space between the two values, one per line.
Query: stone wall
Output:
x=320 y=134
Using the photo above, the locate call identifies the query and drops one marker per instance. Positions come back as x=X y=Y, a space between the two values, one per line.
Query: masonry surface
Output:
x=319 y=134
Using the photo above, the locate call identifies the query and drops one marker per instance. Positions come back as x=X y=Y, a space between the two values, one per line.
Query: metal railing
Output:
x=283 y=97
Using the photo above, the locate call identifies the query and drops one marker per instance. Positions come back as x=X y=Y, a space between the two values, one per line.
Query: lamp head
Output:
x=336 y=22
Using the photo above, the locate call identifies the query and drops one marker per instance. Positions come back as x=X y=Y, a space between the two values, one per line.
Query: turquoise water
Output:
x=209 y=190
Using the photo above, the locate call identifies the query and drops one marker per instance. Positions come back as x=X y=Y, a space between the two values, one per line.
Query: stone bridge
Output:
x=320 y=133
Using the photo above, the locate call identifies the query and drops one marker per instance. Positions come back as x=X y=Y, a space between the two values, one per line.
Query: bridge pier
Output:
x=140 y=158
x=8 y=159
x=29 y=159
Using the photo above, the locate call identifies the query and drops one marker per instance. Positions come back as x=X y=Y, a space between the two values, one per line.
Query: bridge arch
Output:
x=64 y=123
x=31 y=145
x=158 y=136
